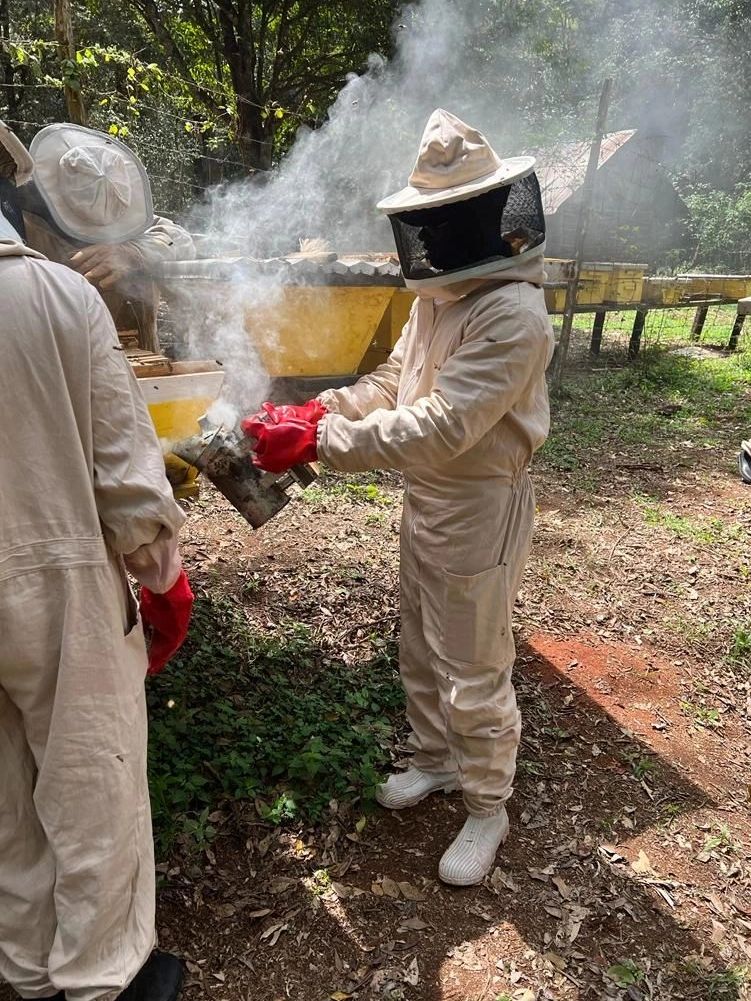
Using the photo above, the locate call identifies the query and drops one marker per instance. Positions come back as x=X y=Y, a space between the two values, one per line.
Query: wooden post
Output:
x=597 y=326
x=559 y=360
x=634 y=345
x=735 y=335
x=67 y=52
x=698 y=325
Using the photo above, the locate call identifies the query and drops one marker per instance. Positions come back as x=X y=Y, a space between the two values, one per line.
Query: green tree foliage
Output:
x=265 y=63
x=208 y=89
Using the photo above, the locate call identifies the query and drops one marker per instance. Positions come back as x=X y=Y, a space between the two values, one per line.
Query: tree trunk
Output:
x=67 y=52
x=255 y=136
x=9 y=73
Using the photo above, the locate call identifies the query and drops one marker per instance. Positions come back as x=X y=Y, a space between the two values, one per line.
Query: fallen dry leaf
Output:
x=272 y=933
x=344 y=892
x=562 y=886
x=389 y=887
x=410 y=892
x=412 y=975
x=501 y=880
x=642 y=864
x=414 y=924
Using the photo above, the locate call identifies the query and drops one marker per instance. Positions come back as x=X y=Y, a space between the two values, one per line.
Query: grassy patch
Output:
x=262 y=717
x=703 y=530
x=360 y=488
x=739 y=654
x=723 y=985
x=666 y=402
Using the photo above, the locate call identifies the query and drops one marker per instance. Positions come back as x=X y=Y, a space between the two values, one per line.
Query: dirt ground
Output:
x=627 y=871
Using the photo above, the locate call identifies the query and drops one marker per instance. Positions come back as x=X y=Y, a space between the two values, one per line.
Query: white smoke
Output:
x=328 y=185
x=324 y=193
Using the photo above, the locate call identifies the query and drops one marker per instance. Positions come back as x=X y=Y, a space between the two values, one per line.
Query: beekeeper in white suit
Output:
x=83 y=494
x=87 y=204
x=460 y=408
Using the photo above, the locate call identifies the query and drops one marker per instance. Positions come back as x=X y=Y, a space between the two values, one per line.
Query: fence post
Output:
x=698 y=325
x=559 y=359
x=634 y=345
x=597 y=327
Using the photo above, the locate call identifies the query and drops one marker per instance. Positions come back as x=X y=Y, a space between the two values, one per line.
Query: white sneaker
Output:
x=470 y=857
x=403 y=789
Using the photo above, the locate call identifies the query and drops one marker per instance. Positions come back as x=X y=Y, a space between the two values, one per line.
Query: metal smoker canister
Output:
x=225 y=458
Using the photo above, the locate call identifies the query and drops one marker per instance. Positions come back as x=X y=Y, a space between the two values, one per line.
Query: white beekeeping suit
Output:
x=87 y=204
x=459 y=408
x=84 y=491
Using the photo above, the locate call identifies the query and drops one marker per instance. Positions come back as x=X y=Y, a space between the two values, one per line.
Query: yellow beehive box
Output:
x=625 y=283
x=555 y=298
x=389 y=330
x=710 y=286
x=662 y=292
x=175 y=404
x=593 y=285
x=317 y=330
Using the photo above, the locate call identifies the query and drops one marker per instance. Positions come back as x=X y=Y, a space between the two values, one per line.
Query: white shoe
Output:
x=403 y=789
x=470 y=857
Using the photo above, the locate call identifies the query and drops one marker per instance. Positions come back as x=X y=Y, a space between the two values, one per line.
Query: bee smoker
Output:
x=224 y=457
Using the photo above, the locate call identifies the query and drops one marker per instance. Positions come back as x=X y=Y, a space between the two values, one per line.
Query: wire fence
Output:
x=638 y=215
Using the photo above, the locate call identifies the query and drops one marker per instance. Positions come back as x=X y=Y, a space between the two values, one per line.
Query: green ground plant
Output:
x=251 y=716
x=663 y=400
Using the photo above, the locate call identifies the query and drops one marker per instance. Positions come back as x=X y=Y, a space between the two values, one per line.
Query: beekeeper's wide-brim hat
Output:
x=22 y=157
x=95 y=187
x=455 y=162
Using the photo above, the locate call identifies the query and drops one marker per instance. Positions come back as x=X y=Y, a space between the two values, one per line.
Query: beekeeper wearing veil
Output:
x=86 y=201
x=460 y=408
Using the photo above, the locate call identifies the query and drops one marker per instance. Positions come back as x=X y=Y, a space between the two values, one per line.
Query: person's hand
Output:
x=105 y=264
x=278 y=447
x=166 y=618
x=271 y=413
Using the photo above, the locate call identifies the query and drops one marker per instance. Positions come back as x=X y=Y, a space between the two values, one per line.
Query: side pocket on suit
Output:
x=476 y=620
x=130 y=605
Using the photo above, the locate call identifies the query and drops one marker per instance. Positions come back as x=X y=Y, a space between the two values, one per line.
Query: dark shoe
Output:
x=160 y=979
x=744 y=465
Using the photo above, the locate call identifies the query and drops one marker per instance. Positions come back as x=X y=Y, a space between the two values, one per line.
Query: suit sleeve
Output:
x=503 y=349
x=136 y=507
x=376 y=391
x=165 y=241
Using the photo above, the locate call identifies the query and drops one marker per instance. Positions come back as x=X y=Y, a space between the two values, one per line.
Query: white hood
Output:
x=11 y=245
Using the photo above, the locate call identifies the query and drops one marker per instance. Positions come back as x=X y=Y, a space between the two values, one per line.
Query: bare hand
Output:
x=105 y=264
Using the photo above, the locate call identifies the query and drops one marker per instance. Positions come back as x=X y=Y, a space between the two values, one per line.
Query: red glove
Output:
x=270 y=413
x=281 y=446
x=167 y=617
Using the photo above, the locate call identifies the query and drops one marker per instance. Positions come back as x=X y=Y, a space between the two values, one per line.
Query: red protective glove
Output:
x=281 y=446
x=166 y=617
x=270 y=413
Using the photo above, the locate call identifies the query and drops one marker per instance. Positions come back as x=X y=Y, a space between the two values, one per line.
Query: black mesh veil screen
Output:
x=494 y=226
x=10 y=206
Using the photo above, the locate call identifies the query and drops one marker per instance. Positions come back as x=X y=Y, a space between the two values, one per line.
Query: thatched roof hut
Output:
x=637 y=214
